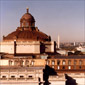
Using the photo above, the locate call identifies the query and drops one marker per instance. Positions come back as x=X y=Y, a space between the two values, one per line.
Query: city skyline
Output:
x=63 y=18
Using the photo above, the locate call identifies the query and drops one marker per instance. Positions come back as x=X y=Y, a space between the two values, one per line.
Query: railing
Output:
x=20 y=78
x=11 y=78
x=66 y=67
x=3 y=78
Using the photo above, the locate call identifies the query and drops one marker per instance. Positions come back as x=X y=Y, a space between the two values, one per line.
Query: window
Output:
x=53 y=62
x=69 y=62
x=10 y=62
x=3 y=76
x=63 y=67
x=64 y=62
x=16 y=62
x=47 y=62
x=80 y=62
x=12 y=76
x=74 y=67
x=58 y=67
x=69 y=67
x=75 y=62
x=22 y=62
x=27 y=63
x=29 y=76
x=80 y=67
x=58 y=62
x=52 y=66
x=21 y=76
x=32 y=63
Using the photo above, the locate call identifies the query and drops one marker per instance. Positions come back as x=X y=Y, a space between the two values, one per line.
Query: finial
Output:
x=27 y=10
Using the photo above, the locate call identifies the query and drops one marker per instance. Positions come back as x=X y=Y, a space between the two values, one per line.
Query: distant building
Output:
x=58 y=43
x=82 y=49
x=27 y=39
x=62 y=52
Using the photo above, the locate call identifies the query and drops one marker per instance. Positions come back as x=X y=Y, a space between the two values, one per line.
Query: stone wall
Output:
x=21 y=75
x=33 y=47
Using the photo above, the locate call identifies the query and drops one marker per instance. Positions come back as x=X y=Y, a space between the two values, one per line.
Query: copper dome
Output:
x=28 y=17
x=27 y=31
x=27 y=35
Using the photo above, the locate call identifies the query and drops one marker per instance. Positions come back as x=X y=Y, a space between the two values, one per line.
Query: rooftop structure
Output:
x=27 y=31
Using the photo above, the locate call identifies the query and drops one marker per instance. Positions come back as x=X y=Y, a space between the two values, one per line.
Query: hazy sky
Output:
x=53 y=17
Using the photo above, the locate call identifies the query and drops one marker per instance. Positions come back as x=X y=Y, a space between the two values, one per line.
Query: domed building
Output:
x=27 y=39
x=27 y=31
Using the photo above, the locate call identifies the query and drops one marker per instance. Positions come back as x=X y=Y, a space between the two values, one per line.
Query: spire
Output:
x=58 y=41
x=27 y=10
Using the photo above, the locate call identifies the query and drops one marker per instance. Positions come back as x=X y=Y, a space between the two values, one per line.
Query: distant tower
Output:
x=58 y=42
x=74 y=43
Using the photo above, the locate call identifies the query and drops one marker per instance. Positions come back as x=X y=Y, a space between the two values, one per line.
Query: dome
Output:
x=27 y=31
x=27 y=20
x=26 y=35
x=27 y=16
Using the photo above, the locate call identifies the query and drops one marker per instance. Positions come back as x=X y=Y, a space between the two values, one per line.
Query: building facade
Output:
x=27 y=39
x=25 y=53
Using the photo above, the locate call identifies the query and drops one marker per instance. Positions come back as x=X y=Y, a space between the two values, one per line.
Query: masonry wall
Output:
x=25 y=47
x=7 y=47
x=28 y=48
x=21 y=76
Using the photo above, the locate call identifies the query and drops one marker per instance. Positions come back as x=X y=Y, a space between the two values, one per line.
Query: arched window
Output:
x=21 y=62
x=63 y=67
x=32 y=63
x=75 y=62
x=58 y=62
x=16 y=62
x=10 y=62
x=53 y=62
x=69 y=62
x=80 y=62
x=80 y=67
x=58 y=67
x=64 y=62
x=27 y=63
x=69 y=67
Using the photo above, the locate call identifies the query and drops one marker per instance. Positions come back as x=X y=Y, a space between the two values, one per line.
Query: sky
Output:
x=65 y=18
